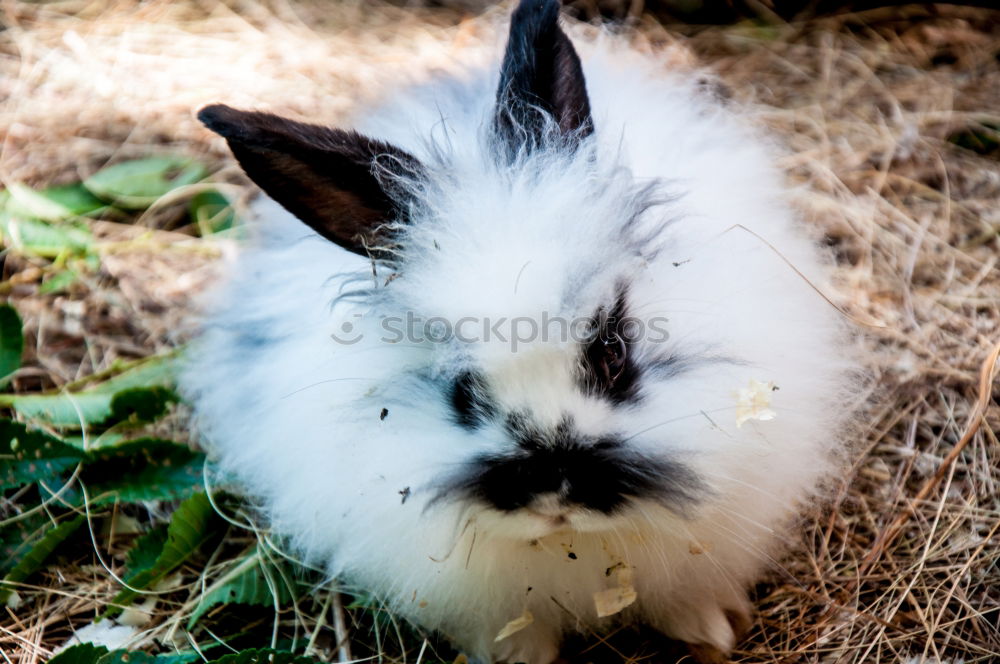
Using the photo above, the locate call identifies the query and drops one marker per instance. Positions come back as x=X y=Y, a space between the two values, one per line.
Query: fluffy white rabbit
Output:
x=518 y=362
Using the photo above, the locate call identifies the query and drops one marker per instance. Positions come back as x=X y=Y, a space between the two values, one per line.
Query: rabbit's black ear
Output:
x=338 y=182
x=541 y=74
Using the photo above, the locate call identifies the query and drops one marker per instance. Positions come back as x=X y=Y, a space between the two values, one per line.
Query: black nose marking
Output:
x=601 y=475
x=589 y=476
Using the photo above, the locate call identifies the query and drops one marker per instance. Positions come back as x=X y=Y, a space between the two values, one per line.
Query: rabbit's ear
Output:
x=540 y=74
x=338 y=182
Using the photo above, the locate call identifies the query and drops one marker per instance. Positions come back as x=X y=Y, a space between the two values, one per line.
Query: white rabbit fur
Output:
x=298 y=418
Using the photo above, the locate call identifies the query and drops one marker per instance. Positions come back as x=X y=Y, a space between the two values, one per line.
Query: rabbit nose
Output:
x=550 y=504
x=550 y=479
x=558 y=474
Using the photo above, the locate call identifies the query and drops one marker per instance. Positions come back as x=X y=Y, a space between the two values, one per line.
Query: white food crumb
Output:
x=516 y=625
x=104 y=633
x=611 y=601
x=753 y=402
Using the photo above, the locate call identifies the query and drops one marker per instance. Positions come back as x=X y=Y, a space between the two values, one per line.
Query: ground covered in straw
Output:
x=892 y=120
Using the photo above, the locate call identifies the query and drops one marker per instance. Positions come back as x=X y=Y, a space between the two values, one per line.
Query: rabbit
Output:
x=533 y=350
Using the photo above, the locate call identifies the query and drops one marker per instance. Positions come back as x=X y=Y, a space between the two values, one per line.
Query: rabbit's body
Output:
x=464 y=482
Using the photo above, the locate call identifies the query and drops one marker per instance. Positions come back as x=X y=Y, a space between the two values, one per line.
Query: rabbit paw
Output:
x=710 y=630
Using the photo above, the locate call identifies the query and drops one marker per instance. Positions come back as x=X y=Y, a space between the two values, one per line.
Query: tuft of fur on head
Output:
x=454 y=477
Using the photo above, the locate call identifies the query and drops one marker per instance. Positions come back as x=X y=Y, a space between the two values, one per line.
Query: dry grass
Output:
x=905 y=563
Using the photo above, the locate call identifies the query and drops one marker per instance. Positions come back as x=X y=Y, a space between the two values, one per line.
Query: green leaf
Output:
x=84 y=653
x=142 y=469
x=141 y=404
x=87 y=653
x=35 y=554
x=137 y=184
x=58 y=282
x=249 y=587
x=17 y=537
x=181 y=657
x=982 y=138
x=106 y=439
x=31 y=455
x=757 y=30
x=263 y=656
x=146 y=551
x=127 y=657
x=212 y=212
x=190 y=525
x=365 y=601
x=77 y=409
x=11 y=342
x=41 y=238
x=53 y=204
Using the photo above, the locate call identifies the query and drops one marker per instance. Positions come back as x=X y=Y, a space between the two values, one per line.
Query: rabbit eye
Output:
x=609 y=370
x=607 y=357
x=613 y=357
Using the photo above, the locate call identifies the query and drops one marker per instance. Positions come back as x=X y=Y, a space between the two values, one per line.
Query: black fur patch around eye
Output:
x=610 y=324
x=470 y=402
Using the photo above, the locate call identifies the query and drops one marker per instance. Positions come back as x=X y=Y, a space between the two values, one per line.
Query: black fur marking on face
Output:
x=609 y=366
x=470 y=402
x=600 y=474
